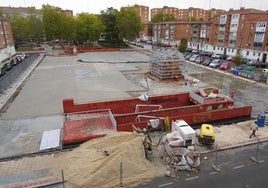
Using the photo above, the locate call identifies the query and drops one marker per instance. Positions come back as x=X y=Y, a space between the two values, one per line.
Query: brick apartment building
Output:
x=143 y=12
x=23 y=11
x=7 y=48
x=226 y=32
x=190 y=14
x=166 y=10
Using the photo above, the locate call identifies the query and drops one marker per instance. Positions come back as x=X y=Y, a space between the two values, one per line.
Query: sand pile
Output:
x=88 y=166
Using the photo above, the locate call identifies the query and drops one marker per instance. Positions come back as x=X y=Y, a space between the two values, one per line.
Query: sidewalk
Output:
x=46 y=169
x=235 y=135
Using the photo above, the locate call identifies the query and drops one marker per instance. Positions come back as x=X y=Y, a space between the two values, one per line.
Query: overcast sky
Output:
x=95 y=6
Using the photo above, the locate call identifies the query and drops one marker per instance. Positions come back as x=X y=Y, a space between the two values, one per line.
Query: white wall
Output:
x=5 y=53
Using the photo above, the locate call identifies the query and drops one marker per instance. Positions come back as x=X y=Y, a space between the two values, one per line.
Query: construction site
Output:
x=115 y=119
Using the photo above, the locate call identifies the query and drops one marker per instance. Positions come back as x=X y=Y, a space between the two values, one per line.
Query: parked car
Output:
x=215 y=63
x=19 y=58
x=260 y=64
x=14 y=62
x=6 y=67
x=23 y=55
x=207 y=62
x=204 y=53
x=226 y=65
x=187 y=57
x=252 y=62
x=193 y=58
x=229 y=58
x=199 y=60
x=216 y=55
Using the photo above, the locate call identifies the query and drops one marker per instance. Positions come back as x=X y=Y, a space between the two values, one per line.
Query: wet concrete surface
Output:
x=247 y=92
x=38 y=107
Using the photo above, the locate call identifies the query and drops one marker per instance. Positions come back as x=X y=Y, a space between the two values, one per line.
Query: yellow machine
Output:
x=207 y=135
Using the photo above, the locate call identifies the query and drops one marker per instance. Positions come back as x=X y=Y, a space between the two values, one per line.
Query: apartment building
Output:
x=7 y=48
x=165 y=10
x=23 y=11
x=143 y=12
x=244 y=29
x=66 y=12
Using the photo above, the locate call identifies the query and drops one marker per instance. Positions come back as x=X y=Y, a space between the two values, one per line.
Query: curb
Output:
x=236 y=145
x=230 y=74
x=11 y=92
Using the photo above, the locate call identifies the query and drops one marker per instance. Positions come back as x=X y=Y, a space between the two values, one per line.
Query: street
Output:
x=237 y=169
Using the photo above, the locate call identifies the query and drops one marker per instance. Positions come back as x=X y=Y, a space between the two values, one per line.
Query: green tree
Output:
x=52 y=22
x=162 y=17
x=193 y=19
x=238 y=58
x=183 y=45
x=109 y=21
x=89 y=27
x=34 y=24
x=128 y=23
x=19 y=25
x=69 y=29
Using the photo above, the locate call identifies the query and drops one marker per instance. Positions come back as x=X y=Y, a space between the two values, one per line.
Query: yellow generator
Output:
x=207 y=135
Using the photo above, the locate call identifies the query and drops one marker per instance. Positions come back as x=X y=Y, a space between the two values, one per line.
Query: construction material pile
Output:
x=97 y=162
x=165 y=64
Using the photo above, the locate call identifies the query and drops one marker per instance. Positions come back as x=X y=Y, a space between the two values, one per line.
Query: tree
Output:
x=89 y=27
x=111 y=33
x=238 y=58
x=128 y=23
x=159 y=17
x=52 y=22
x=183 y=45
x=34 y=24
x=19 y=25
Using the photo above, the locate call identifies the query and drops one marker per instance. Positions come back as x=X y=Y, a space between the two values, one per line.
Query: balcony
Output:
x=221 y=28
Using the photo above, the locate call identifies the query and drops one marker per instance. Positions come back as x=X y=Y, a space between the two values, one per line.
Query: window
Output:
x=247 y=53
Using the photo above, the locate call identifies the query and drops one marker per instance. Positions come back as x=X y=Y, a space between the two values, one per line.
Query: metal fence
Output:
x=13 y=75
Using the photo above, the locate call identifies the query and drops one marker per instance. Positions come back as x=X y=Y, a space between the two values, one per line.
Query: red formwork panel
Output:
x=78 y=131
x=128 y=105
x=196 y=118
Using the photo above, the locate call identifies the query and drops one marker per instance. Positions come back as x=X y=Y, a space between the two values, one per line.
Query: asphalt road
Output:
x=237 y=169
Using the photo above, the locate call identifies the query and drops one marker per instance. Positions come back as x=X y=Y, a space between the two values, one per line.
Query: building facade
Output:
x=7 y=48
x=143 y=12
x=166 y=10
x=243 y=29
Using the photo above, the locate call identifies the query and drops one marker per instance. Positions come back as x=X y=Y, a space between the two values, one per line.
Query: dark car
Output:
x=14 y=62
x=207 y=62
x=260 y=64
x=6 y=67
x=187 y=57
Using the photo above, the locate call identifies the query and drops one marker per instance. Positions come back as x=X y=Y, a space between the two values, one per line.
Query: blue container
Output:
x=236 y=72
x=261 y=120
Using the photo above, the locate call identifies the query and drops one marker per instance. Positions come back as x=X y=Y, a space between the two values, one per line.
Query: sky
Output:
x=95 y=6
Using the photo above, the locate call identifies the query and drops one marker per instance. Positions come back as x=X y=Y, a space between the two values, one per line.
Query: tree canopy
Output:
x=88 y=28
x=159 y=17
x=128 y=23
x=51 y=24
